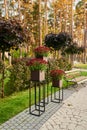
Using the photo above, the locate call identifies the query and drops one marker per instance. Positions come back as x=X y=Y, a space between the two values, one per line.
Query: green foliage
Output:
x=74 y=49
x=61 y=63
x=64 y=64
x=16 y=54
x=37 y=64
x=18 y=78
x=1 y=66
x=12 y=34
x=58 y=41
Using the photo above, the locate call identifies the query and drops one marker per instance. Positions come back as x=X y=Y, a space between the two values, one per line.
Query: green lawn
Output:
x=12 y=105
x=17 y=102
x=83 y=66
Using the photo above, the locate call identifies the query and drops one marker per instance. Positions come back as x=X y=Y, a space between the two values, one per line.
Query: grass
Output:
x=82 y=66
x=10 y=106
x=83 y=73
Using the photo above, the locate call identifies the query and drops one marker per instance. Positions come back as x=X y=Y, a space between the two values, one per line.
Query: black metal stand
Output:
x=38 y=92
x=47 y=92
x=57 y=96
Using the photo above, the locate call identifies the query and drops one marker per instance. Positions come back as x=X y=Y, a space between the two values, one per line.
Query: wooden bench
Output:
x=75 y=77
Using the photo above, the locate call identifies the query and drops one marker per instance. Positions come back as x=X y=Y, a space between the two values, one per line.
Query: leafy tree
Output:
x=58 y=41
x=50 y=40
x=64 y=39
x=74 y=49
x=12 y=34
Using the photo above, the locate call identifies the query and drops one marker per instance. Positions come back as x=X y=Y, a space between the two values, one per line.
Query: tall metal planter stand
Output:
x=39 y=97
x=56 y=96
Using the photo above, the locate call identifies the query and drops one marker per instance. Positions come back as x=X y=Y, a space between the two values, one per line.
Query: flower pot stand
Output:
x=38 y=75
x=57 y=95
x=39 y=97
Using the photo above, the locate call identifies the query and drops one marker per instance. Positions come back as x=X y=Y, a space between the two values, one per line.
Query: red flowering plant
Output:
x=42 y=51
x=37 y=64
x=57 y=74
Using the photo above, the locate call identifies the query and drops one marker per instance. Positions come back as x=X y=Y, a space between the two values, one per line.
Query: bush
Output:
x=64 y=64
x=61 y=63
x=18 y=77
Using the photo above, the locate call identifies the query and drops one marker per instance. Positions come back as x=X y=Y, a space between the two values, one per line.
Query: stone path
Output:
x=69 y=115
x=72 y=115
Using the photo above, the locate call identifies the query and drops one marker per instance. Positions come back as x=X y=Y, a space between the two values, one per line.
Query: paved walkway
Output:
x=71 y=114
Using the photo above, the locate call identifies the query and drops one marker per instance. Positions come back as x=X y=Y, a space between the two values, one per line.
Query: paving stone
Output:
x=72 y=115
x=71 y=126
x=63 y=126
x=80 y=128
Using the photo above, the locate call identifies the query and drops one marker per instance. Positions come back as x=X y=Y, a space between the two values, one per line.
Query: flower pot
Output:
x=37 y=75
x=57 y=83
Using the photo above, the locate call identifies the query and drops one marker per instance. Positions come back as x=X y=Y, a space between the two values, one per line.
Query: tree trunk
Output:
x=6 y=9
x=46 y=27
x=54 y=23
x=3 y=72
x=40 y=24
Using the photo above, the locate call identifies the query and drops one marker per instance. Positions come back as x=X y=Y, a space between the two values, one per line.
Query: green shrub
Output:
x=18 y=77
x=16 y=54
x=61 y=63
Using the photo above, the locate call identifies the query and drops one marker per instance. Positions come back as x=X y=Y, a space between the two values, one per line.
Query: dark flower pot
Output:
x=37 y=75
x=57 y=83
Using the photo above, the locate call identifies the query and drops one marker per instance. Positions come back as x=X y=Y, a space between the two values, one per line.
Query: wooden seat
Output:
x=75 y=77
